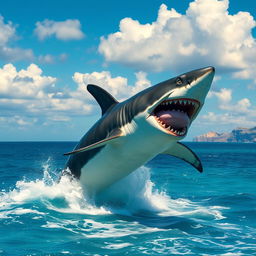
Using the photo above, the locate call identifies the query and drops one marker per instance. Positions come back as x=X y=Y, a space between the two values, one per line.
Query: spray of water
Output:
x=134 y=194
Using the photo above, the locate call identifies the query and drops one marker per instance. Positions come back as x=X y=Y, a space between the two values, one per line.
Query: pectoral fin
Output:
x=113 y=136
x=183 y=152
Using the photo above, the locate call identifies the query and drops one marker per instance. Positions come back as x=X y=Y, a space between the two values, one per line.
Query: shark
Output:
x=132 y=132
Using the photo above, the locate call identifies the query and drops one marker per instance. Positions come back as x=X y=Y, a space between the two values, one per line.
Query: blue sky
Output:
x=49 y=52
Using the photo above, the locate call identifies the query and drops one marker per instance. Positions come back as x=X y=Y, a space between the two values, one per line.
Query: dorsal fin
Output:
x=104 y=99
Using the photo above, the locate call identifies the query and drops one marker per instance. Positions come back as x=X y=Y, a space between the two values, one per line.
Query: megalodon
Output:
x=132 y=132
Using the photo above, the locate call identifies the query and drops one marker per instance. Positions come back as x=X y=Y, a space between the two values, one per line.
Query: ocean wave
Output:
x=133 y=215
x=134 y=195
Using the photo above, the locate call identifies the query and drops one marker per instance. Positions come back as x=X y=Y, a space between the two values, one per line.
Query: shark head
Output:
x=174 y=104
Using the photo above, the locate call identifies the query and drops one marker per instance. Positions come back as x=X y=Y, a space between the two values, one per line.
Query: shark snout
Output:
x=204 y=71
x=199 y=73
x=202 y=82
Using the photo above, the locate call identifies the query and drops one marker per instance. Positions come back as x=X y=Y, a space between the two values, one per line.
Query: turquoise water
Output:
x=163 y=208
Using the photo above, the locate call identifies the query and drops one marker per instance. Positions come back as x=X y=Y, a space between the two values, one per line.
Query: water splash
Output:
x=133 y=195
x=59 y=194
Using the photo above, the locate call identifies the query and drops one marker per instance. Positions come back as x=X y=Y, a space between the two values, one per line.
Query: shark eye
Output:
x=179 y=81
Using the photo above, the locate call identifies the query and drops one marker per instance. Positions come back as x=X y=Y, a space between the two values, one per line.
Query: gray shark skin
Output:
x=132 y=132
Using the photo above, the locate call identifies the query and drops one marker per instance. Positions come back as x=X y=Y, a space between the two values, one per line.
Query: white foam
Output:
x=131 y=195
x=108 y=230
x=117 y=246
x=50 y=193
x=136 y=193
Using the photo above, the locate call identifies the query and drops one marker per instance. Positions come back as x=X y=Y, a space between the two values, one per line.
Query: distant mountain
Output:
x=237 y=135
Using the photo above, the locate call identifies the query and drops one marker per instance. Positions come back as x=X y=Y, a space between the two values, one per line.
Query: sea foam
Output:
x=133 y=195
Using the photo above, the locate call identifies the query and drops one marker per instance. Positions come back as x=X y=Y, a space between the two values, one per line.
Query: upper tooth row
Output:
x=184 y=102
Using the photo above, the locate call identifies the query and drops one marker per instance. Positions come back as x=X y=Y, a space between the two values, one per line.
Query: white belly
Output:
x=118 y=159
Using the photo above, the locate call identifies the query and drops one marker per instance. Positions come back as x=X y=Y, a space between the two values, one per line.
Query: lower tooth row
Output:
x=175 y=131
x=171 y=129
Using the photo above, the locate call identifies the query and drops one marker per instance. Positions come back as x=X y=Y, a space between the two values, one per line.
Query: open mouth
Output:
x=175 y=115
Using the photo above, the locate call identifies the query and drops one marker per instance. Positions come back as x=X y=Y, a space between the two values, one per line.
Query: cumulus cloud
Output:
x=117 y=86
x=12 y=54
x=242 y=106
x=230 y=114
x=205 y=35
x=230 y=120
x=142 y=81
x=7 y=35
x=62 y=30
x=7 y=31
x=224 y=95
x=28 y=97
x=23 y=84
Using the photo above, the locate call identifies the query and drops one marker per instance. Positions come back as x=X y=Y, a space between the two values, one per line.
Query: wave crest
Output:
x=134 y=195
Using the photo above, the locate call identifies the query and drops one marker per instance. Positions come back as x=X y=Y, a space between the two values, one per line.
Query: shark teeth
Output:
x=181 y=102
x=186 y=106
x=189 y=106
x=172 y=130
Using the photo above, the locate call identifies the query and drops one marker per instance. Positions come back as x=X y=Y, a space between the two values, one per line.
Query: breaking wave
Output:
x=134 y=195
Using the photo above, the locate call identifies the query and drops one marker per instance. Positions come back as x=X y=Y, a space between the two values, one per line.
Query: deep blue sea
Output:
x=164 y=208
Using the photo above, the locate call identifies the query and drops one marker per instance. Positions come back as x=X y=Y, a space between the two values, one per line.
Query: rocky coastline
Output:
x=245 y=135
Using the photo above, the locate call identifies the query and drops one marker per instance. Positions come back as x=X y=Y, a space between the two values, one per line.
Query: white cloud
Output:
x=244 y=105
x=50 y=59
x=224 y=95
x=62 y=30
x=239 y=113
x=7 y=35
x=231 y=120
x=30 y=95
x=27 y=97
x=17 y=120
x=117 y=86
x=142 y=81
x=15 y=54
x=12 y=54
x=7 y=31
x=205 y=35
x=23 y=84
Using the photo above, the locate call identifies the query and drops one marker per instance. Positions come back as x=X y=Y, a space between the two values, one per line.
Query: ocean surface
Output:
x=164 y=208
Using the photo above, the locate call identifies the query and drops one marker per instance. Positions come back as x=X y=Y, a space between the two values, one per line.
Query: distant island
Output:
x=246 y=135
